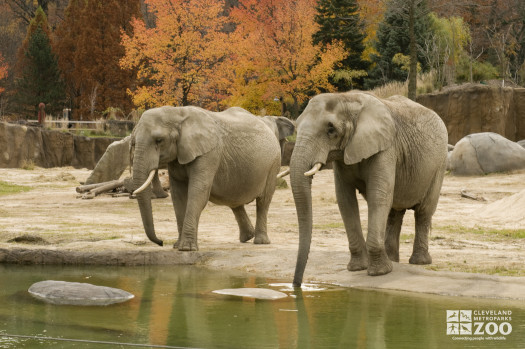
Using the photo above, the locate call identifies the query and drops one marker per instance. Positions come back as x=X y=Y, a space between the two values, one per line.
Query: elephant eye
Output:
x=331 y=130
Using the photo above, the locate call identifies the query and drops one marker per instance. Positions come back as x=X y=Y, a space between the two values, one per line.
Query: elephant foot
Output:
x=422 y=257
x=246 y=236
x=393 y=254
x=261 y=239
x=379 y=264
x=358 y=261
x=187 y=245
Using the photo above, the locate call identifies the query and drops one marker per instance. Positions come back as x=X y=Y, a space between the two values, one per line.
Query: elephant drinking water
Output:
x=393 y=151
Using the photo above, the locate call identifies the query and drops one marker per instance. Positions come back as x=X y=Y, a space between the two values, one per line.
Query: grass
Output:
x=8 y=189
x=334 y=225
x=489 y=270
x=487 y=232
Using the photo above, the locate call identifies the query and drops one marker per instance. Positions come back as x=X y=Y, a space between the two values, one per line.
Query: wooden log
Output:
x=89 y=187
x=107 y=187
x=471 y=196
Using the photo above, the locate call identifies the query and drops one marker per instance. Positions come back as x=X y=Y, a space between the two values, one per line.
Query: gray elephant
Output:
x=229 y=158
x=393 y=151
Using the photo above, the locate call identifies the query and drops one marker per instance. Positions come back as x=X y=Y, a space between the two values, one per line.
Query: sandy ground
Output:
x=477 y=249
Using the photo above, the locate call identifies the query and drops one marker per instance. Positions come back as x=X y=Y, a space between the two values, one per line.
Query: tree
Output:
x=274 y=48
x=3 y=71
x=339 y=21
x=178 y=62
x=404 y=30
x=89 y=51
x=38 y=74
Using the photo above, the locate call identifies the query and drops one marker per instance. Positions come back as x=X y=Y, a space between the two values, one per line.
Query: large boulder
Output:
x=483 y=153
x=76 y=293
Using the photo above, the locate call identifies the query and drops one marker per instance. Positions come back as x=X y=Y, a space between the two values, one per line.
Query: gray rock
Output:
x=258 y=293
x=483 y=153
x=76 y=293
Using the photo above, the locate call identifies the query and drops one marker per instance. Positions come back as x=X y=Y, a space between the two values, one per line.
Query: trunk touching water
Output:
x=302 y=193
x=144 y=199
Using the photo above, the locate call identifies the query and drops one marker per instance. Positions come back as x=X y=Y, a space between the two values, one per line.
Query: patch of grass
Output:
x=467 y=268
x=406 y=237
x=489 y=232
x=333 y=225
x=8 y=189
x=28 y=165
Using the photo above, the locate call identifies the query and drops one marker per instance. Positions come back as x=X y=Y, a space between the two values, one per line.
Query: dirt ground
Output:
x=477 y=249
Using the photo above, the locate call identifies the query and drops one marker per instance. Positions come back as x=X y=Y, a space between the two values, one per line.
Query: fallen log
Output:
x=85 y=188
x=107 y=186
x=471 y=196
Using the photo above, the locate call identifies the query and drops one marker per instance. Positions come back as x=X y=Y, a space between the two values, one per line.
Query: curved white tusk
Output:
x=284 y=173
x=314 y=170
x=146 y=183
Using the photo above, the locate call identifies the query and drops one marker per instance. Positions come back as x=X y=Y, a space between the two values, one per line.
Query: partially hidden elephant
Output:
x=229 y=158
x=393 y=151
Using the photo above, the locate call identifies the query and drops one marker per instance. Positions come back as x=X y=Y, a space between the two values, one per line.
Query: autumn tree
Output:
x=3 y=72
x=180 y=60
x=89 y=51
x=38 y=77
x=275 y=50
x=339 y=21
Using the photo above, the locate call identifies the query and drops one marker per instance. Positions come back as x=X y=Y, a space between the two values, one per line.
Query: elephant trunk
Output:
x=140 y=175
x=300 y=163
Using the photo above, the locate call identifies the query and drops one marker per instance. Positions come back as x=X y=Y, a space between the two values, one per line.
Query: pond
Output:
x=174 y=306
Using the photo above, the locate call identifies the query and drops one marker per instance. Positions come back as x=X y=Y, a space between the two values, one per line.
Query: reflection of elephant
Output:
x=392 y=150
x=229 y=158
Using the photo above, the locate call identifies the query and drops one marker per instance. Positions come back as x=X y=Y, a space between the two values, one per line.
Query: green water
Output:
x=174 y=306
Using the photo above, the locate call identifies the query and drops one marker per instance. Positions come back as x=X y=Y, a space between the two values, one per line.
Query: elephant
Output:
x=393 y=151
x=229 y=158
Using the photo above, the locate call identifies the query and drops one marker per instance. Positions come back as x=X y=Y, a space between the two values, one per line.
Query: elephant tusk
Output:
x=314 y=170
x=284 y=173
x=146 y=183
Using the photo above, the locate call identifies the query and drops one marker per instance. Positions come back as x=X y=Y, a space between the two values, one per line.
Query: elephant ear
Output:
x=285 y=126
x=374 y=131
x=198 y=135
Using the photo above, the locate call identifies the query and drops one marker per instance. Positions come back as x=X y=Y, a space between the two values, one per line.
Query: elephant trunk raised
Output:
x=141 y=175
x=300 y=163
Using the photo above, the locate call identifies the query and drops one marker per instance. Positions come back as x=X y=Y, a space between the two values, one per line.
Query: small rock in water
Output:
x=76 y=293
x=258 y=293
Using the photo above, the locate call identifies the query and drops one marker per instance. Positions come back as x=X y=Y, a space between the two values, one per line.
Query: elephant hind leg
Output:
x=263 y=206
x=420 y=254
x=246 y=230
x=393 y=230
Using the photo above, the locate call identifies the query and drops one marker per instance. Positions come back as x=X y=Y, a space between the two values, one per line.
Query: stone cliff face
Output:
x=45 y=148
x=474 y=108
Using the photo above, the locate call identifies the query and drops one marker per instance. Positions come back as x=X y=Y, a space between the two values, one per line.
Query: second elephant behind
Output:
x=229 y=158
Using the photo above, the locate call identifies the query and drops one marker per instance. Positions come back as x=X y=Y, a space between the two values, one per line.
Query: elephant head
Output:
x=281 y=126
x=161 y=136
x=345 y=127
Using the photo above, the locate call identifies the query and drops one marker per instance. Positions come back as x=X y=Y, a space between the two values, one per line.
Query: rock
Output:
x=76 y=293
x=483 y=153
x=257 y=293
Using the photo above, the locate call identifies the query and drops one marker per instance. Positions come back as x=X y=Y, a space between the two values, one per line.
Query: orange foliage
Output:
x=371 y=12
x=274 y=48
x=179 y=61
x=3 y=71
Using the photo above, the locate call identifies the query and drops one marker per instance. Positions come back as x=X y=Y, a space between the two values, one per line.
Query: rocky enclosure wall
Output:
x=474 y=108
x=45 y=148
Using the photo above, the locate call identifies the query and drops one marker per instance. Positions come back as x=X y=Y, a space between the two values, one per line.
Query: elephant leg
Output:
x=157 y=187
x=380 y=192
x=246 y=230
x=393 y=230
x=349 y=209
x=199 y=189
x=263 y=206
x=179 y=197
x=420 y=253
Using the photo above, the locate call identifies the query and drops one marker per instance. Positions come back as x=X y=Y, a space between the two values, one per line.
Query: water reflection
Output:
x=174 y=306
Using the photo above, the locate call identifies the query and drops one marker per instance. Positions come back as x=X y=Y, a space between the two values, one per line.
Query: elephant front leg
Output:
x=246 y=230
x=179 y=197
x=349 y=209
x=393 y=230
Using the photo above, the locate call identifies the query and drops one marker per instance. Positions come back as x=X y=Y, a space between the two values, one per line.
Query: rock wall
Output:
x=475 y=108
x=45 y=148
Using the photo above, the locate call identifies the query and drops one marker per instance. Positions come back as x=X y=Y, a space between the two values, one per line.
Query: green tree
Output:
x=38 y=74
x=339 y=20
x=394 y=36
